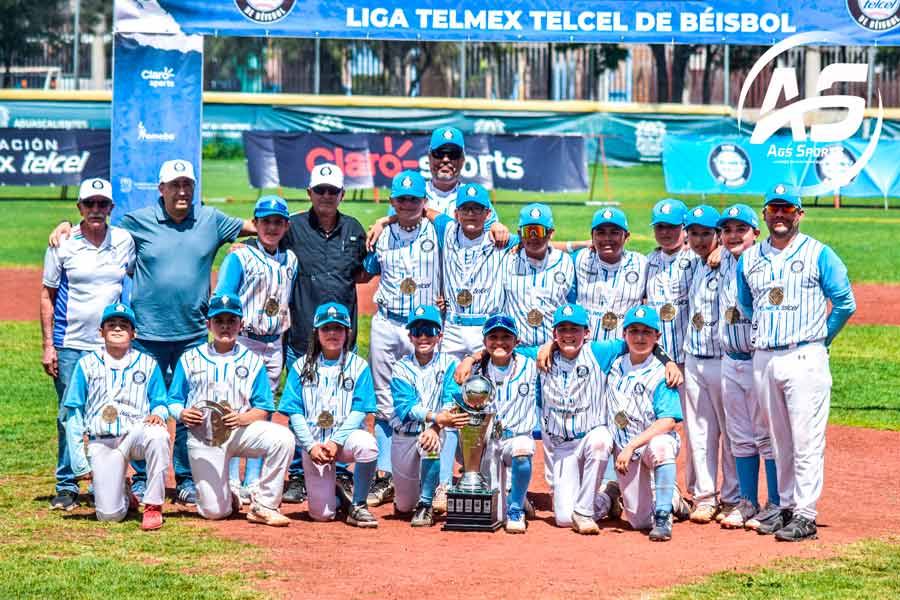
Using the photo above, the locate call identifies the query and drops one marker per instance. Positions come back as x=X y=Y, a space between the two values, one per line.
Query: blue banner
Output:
x=732 y=165
x=52 y=156
x=157 y=102
x=728 y=21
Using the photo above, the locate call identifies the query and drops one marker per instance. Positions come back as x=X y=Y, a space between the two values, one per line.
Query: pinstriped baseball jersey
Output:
x=541 y=287
x=603 y=288
x=425 y=381
x=789 y=305
x=702 y=337
x=470 y=273
x=265 y=277
x=413 y=259
x=668 y=284
x=132 y=384
x=735 y=331
x=515 y=403
x=629 y=391
x=207 y=375
x=572 y=395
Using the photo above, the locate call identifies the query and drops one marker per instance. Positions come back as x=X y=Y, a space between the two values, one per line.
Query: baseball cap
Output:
x=326 y=174
x=612 y=216
x=117 y=310
x=331 y=312
x=270 y=205
x=444 y=136
x=570 y=313
x=472 y=192
x=408 y=183
x=91 y=188
x=427 y=313
x=173 y=169
x=784 y=193
x=535 y=214
x=642 y=314
x=224 y=303
x=739 y=212
x=703 y=215
x=669 y=211
x=501 y=321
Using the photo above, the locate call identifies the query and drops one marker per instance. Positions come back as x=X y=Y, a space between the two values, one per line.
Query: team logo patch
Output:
x=631 y=277
x=139 y=377
x=666 y=209
x=640 y=313
x=524 y=388
x=684 y=263
x=698 y=212
x=559 y=277
x=712 y=284
x=535 y=213
x=290 y=273
x=639 y=389
x=179 y=166
x=875 y=16
x=582 y=371
x=780 y=189
x=567 y=311
x=242 y=372
x=420 y=310
x=325 y=170
x=733 y=211
x=607 y=214
x=347 y=384
x=427 y=245
x=407 y=182
x=120 y=308
x=332 y=312
x=472 y=191
x=97 y=184
x=225 y=300
x=448 y=135
x=265 y=11
x=797 y=266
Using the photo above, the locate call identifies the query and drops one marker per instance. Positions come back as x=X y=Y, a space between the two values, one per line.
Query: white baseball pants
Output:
x=320 y=479
x=209 y=464
x=637 y=485
x=109 y=462
x=794 y=389
x=388 y=343
x=745 y=422
x=406 y=460
x=578 y=467
x=460 y=340
x=272 y=355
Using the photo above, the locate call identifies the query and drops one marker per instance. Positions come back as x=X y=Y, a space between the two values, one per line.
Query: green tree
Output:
x=25 y=26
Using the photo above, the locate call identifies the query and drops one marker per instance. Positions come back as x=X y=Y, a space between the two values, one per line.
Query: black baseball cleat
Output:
x=295 y=491
x=343 y=487
x=423 y=516
x=776 y=522
x=382 y=491
x=64 y=500
x=799 y=529
x=662 y=527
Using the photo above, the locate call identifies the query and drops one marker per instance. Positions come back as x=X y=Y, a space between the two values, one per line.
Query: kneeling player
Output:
x=117 y=395
x=229 y=373
x=642 y=412
x=328 y=393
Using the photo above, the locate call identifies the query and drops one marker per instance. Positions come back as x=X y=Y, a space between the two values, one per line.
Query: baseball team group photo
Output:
x=384 y=343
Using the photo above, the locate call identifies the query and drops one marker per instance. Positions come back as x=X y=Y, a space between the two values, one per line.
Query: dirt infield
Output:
x=876 y=304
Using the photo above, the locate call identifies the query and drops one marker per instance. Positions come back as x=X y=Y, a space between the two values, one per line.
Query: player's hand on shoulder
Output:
x=715 y=258
x=375 y=232
x=545 y=356
x=500 y=234
x=429 y=440
x=50 y=362
x=464 y=368
x=674 y=376
x=154 y=420
x=60 y=232
x=191 y=417
x=236 y=246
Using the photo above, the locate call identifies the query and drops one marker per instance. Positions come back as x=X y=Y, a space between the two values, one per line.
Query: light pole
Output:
x=75 y=43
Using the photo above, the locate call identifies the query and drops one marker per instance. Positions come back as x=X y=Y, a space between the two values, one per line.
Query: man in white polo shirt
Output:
x=81 y=277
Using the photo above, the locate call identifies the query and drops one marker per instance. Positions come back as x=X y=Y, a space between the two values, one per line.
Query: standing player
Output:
x=608 y=279
x=117 y=396
x=746 y=425
x=783 y=287
x=422 y=386
x=227 y=373
x=263 y=277
x=327 y=397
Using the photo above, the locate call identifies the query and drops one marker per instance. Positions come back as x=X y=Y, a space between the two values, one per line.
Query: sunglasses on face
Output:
x=439 y=154
x=774 y=209
x=96 y=203
x=426 y=330
x=470 y=209
x=534 y=231
x=326 y=190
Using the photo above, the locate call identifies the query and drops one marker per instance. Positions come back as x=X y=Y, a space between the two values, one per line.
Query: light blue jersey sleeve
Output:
x=179 y=390
x=529 y=351
x=159 y=397
x=231 y=274
x=301 y=431
x=371 y=264
x=836 y=286
x=450 y=389
x=364 y=393
x=74 y=425
x=608 y=351
x=744 y=296
x=292 y=397
x=441 y=223
x=666 y=403
x=353 y=422
x=261 y=392
x=406 y=401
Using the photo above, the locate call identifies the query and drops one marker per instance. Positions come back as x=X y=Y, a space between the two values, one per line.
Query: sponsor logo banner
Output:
x=52 y=156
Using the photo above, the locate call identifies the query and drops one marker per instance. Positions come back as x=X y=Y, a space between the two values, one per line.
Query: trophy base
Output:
x=472 y=511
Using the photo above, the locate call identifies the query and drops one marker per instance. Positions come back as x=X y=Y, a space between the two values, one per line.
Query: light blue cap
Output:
x=443 y=136
x=703 y=215
x=225 y=303
x=644 y=315
x=784 y=192
x=739 y=212
x=570 y=313
x=118 y=309
x=425 y=312
x=536 y=214
x=611 y=216
x=408 y=183
x=501 y=321
x=271 y=205
x=473 y=192
x=669 y=211
x=331 y=312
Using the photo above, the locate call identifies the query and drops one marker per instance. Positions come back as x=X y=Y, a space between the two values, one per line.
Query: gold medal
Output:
x=325 y=420
x=731 y=315
x=535 y=317
x=271 y=307
x=109 y=414
x=621 y=420
x=697 y=321
x=464 y=298
x=408 y=286
x=667 y=312
x=609 y=321
x=776 y=296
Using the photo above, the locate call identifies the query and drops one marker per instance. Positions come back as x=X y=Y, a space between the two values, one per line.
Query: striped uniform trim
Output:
x=668 y=282
x=427 y=380
x=735 y=337
x=416 y=259
x=703 y=300
x=515 y=403
x=266 y=277
x=221 y=378
x=332 y=391
x=125 y=388
x=473 y=269
x=572 y=395
x=544 y=288
x=605 y=288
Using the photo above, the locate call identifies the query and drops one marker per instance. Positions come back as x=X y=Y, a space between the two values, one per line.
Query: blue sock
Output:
x=430 y=471
x=610 y=473
x=772 y=482
x=748 y=477
x=665 y=487
x=252 y=469
x=363 y=474
x=234 y=469
x=383 y=433
x=521 y=477
x=448 y=456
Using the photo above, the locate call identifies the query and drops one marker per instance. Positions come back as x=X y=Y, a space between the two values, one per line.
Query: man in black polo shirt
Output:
x=330 y=249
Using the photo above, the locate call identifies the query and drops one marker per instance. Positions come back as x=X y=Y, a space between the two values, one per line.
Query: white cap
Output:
x=173 y=169
x=327 y=174
x=95 y=187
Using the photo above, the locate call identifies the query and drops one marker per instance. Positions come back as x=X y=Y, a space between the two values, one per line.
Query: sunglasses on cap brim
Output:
x=776 y=207
x=533 y=232
x=426 y=329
